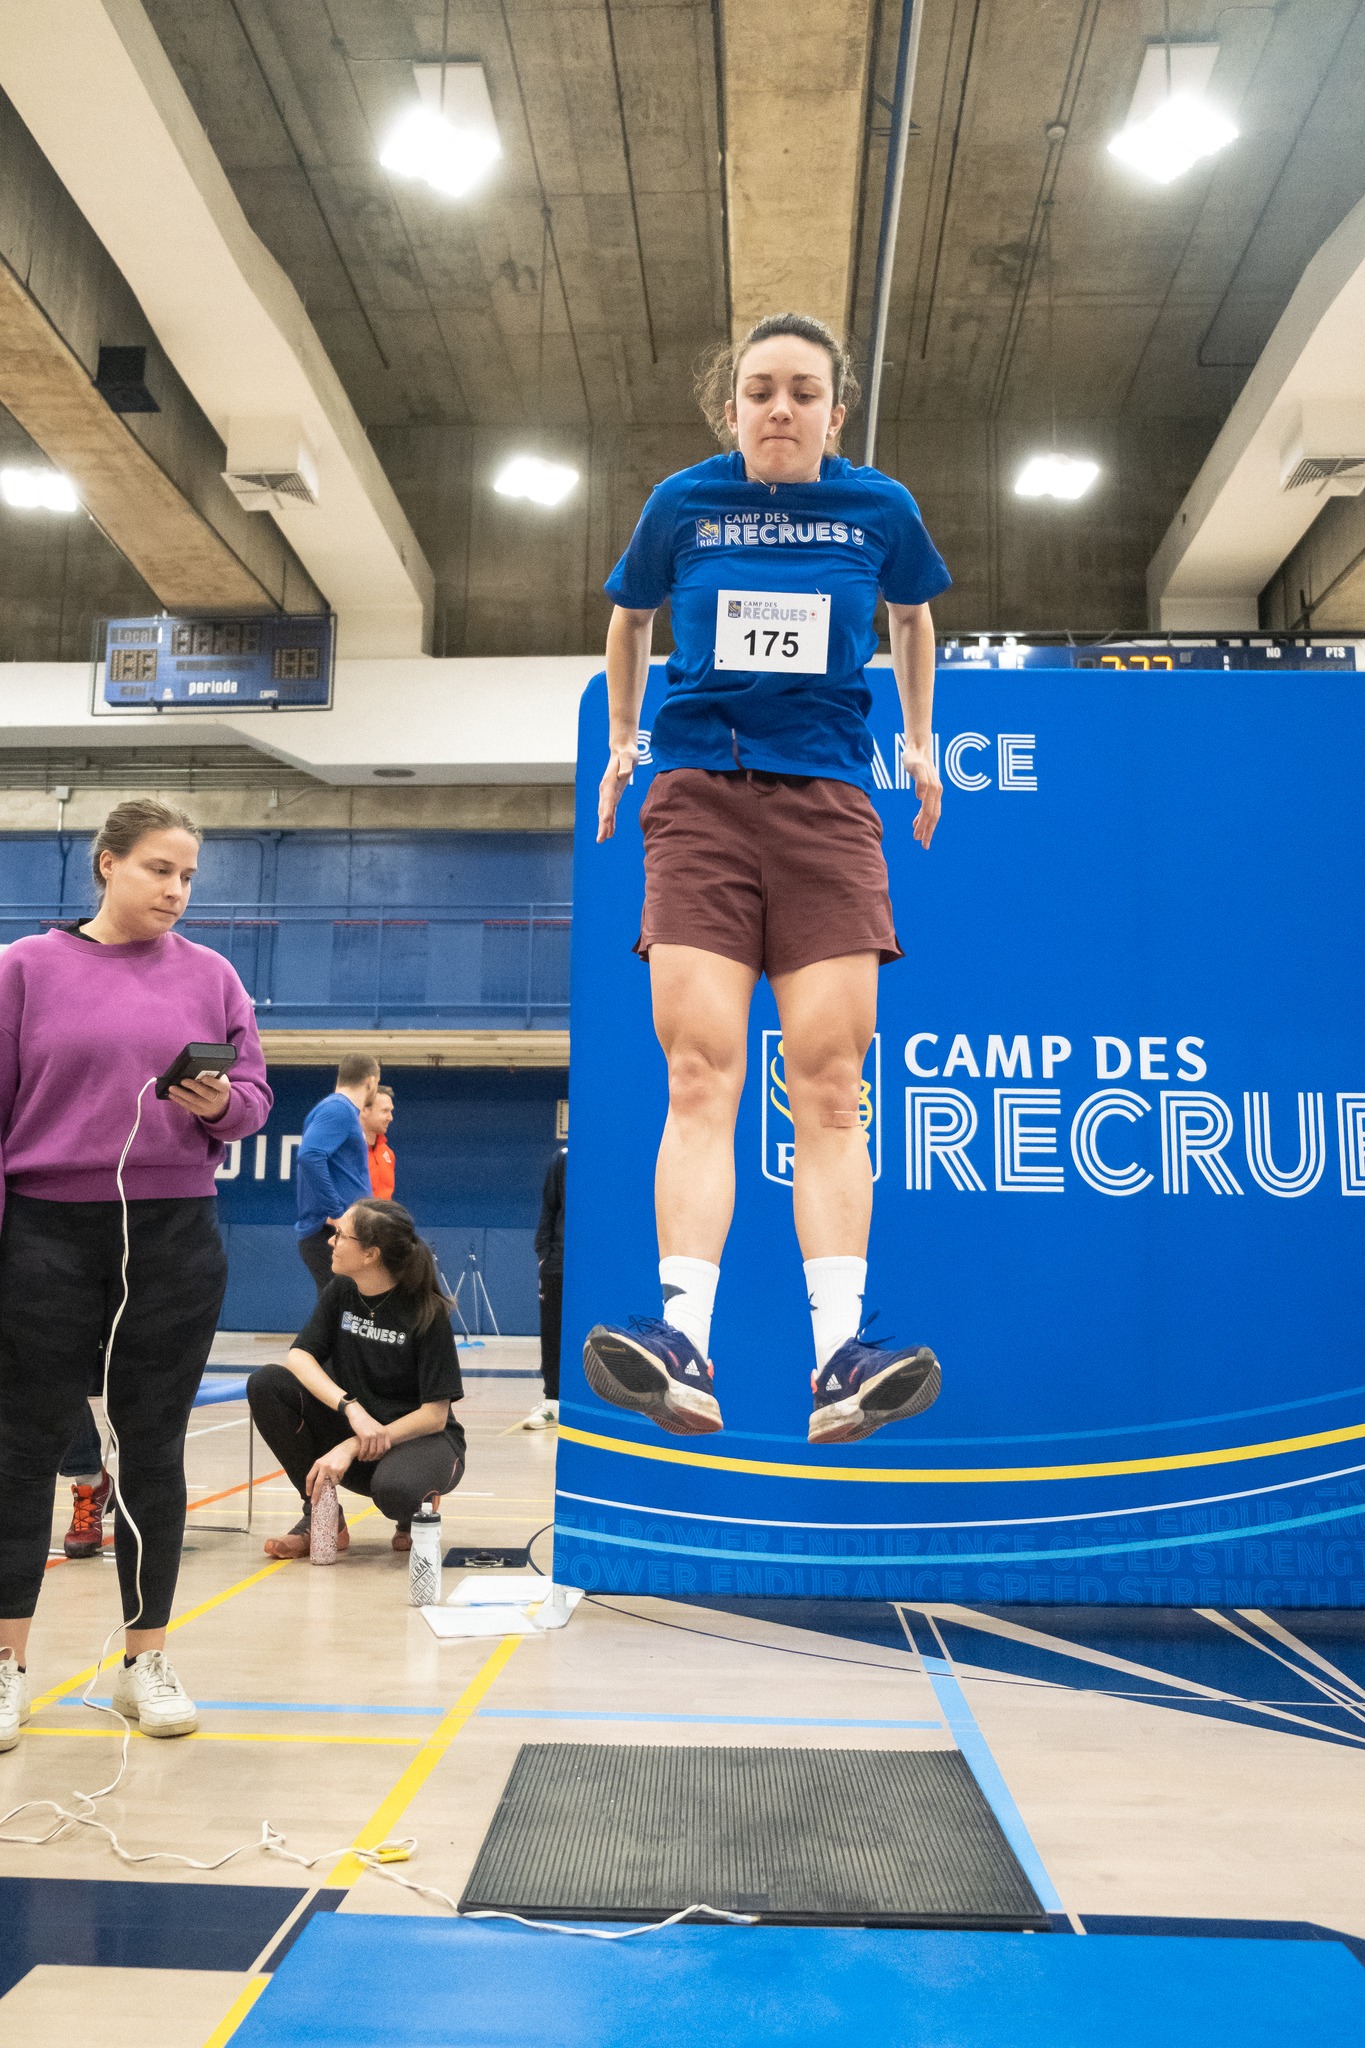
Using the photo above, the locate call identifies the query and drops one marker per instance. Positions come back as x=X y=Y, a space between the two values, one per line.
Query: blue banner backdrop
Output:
x=1118 y=1108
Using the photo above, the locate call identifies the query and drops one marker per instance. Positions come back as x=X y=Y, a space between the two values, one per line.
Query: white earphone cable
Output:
x=271 y=1842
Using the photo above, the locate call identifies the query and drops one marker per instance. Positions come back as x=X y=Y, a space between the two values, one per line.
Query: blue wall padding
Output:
x=394 y=1981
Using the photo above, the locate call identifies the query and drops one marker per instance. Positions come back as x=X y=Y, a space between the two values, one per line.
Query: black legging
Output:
x=299 y=1428
x=551 y=1312
x=59 y=1288
x=316 y=1253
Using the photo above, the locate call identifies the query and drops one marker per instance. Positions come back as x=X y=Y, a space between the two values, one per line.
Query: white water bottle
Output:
x=424 y=1559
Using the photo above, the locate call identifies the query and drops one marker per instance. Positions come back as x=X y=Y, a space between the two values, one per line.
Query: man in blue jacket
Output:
x=333 y=1162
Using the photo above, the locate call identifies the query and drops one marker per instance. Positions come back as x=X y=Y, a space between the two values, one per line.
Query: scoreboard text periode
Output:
x=262 y=664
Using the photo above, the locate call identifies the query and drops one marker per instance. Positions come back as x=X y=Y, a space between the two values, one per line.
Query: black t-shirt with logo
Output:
x=370 y=1347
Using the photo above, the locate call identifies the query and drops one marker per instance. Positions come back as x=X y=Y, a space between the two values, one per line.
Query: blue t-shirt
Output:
x=850 y=535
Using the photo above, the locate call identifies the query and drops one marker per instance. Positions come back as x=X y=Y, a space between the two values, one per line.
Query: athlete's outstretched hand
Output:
x=929 y=790
x=621 y=765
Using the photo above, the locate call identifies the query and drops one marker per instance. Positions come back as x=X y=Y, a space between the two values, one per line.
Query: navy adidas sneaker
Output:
x=867 y=1385
x=656 y=1369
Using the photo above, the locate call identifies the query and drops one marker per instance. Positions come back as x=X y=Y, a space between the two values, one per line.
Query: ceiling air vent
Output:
x=1321 y=469
x=1311 y=456
x=270 y=466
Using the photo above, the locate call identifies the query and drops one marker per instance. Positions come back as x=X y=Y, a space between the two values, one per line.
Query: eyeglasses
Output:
x=344 y=1237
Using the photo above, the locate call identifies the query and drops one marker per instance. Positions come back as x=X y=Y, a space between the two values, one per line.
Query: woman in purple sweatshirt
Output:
x=89 y=1013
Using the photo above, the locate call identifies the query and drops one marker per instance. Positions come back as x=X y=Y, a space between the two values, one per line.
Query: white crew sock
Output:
x=689 y=1287
x=835 y=1288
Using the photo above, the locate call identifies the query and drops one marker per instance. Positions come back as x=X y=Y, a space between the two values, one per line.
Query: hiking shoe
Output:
x=656 y=1369
x=147 y=1691
x=865 y=1386
x=85 y=1537
x=544 y=1417
x=13 y=1698
x=298 y=1542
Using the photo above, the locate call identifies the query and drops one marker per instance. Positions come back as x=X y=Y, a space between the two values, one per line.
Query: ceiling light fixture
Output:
x=1055 y=476
x=530 y=476
x=429 y=147
x=38 y=490
x=1171 y=124
x=451 y=140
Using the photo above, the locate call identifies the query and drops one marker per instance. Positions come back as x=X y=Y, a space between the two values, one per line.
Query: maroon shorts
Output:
x=775 y=871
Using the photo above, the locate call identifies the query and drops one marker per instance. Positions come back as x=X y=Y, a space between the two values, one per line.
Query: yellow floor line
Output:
x=232 y=2019
x=181 y=1621
x=378 y=1827
x=115 y=1734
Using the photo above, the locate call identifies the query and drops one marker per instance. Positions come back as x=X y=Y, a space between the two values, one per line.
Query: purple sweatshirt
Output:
x=82 y=1026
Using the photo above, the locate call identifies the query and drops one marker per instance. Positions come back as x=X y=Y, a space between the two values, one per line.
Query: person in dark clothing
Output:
x=92 y=1486
x=364 y=1396
x=333 y=1162
x=550 y=1258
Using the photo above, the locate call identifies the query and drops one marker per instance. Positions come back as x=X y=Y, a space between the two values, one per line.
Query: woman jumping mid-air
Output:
x=763 y=851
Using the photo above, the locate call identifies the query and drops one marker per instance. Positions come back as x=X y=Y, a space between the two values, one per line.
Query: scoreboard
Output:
x=265 y=664
x=1168 y=655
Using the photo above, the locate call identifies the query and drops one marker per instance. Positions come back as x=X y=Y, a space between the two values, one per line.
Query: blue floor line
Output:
x=528 y=1714
x=963 y=1728
x=273 y=1707
x=699 y=1720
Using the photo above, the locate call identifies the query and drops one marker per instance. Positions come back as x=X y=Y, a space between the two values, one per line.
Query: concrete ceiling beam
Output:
x=1240 y=520
x=795 y=83
x=100 y=96
x=126 y=492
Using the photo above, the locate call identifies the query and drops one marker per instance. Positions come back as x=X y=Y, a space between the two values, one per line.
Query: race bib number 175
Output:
x=767 y=630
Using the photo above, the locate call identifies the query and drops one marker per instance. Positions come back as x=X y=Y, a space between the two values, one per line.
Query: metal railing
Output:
x=379 y=965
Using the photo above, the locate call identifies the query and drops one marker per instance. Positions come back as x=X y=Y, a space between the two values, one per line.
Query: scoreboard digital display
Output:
x=1157 y=657
x=208 y=664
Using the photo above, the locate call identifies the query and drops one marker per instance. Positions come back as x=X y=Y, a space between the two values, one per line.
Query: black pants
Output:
x=84 y=1455
x=59 y=1289
x=551 y=1314
x=299 y=1428
x=316 y=1253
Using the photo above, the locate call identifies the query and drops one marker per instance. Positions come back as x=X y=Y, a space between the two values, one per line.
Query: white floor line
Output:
x=1293 y=1642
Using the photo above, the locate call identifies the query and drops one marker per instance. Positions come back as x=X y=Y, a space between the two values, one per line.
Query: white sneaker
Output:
x=13 y=1698
x=544 y=1417
x=148 y=1692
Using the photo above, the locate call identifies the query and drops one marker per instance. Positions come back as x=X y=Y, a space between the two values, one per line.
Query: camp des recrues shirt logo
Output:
x=741 y=530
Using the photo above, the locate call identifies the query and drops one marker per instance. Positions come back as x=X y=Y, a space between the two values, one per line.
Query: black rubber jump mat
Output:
x=833 y=1837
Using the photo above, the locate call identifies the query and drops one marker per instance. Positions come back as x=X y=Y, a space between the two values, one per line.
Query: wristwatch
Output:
x=344 y=1403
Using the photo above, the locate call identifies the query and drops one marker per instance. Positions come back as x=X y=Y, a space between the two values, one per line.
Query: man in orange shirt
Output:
x=375 y=1122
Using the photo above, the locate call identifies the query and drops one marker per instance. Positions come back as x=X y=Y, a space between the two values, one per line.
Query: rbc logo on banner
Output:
x=779 y=1134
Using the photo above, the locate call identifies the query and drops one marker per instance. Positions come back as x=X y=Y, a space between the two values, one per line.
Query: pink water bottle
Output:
x=322 y=1524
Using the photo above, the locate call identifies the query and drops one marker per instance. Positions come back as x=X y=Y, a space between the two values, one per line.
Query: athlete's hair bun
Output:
x=718 y=372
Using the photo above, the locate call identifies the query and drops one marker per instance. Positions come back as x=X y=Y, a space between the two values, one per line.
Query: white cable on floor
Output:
x=271 y=1843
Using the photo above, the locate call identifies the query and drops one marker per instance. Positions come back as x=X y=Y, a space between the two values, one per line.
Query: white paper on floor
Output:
x=497 y=1605
x=450 y=1622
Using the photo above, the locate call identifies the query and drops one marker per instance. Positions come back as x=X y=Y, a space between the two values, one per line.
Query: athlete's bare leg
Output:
x=828 y=1013
x=701 y=1015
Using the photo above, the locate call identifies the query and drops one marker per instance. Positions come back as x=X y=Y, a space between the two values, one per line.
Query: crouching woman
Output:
x=364 y=1396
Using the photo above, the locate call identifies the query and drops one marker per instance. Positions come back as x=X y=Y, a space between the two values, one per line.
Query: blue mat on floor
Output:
x=212 y=1391
x=387 y=1980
